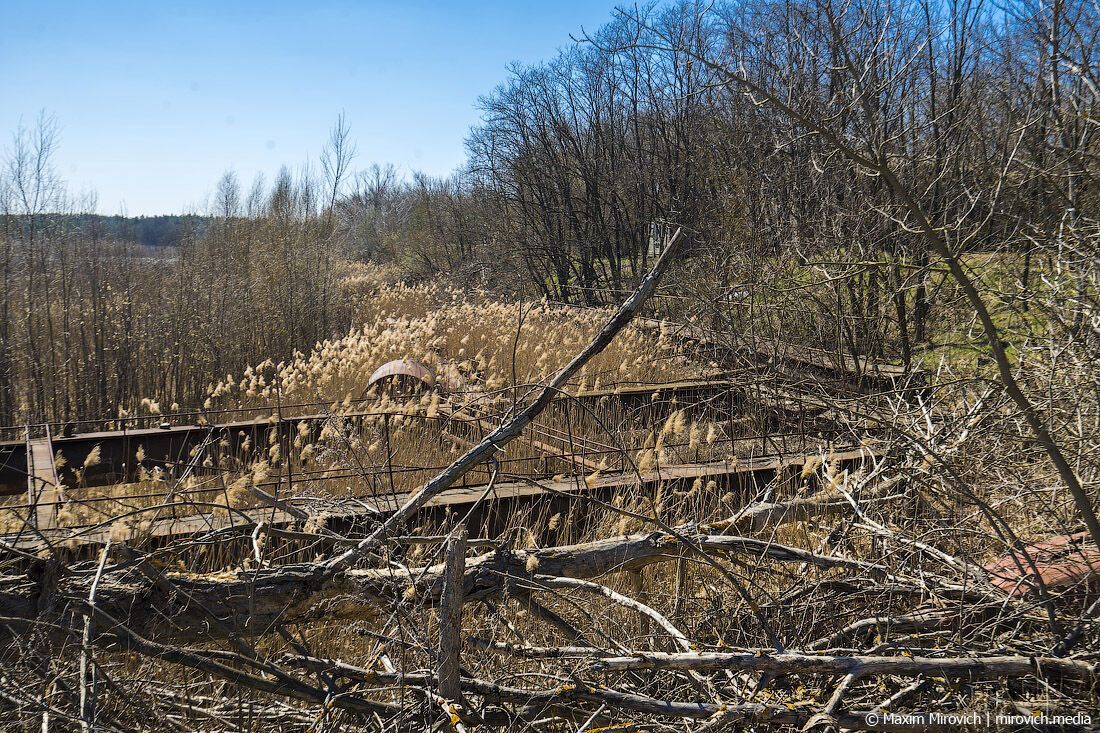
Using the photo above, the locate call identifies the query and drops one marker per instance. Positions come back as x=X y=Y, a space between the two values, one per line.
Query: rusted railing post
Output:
x=389 y=451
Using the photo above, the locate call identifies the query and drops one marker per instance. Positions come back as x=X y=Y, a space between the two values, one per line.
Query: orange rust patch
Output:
x=1062 y=561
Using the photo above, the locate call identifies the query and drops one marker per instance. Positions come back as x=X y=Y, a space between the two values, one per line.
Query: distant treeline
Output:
x=101 y=312
x=809 y=150
x=167 y=230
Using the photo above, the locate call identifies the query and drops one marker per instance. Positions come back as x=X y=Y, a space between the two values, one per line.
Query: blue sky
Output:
x=157 y=99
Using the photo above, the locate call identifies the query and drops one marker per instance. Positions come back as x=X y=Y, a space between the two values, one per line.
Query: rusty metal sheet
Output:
x=1062 y=561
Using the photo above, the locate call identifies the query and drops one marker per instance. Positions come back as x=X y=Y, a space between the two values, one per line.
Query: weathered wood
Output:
x=750 y=715
x=307 y=592
x=992 y=667
x=773 y=514
x=44 y=490
x=88 y=675
x=450 y=616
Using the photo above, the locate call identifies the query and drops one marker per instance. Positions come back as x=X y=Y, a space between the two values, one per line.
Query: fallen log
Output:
x=993 y=667
x=180 y=605
x=745 y=713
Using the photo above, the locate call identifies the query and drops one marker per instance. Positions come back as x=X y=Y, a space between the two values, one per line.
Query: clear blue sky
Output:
x=157 y=99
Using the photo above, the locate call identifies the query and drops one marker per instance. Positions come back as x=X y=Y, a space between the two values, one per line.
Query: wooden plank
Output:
x=44 y=490
x=677 y=472
x=450 y=617
x=647 y=388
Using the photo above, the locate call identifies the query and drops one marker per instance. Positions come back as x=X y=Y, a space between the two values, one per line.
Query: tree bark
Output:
x=450 y=616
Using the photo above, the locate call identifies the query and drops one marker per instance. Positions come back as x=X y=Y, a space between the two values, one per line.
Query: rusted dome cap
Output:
x=403 y=368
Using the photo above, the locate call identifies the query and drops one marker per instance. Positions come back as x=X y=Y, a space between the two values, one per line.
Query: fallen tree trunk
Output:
x=181 y=605
x=859 y=665
x=767 y=515
x=746 y=713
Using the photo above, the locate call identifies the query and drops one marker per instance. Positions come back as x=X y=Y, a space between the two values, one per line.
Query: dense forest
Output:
x=166 y=230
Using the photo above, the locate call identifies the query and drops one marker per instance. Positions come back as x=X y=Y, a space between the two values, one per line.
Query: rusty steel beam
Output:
x=741 y=469
x=172 y=445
